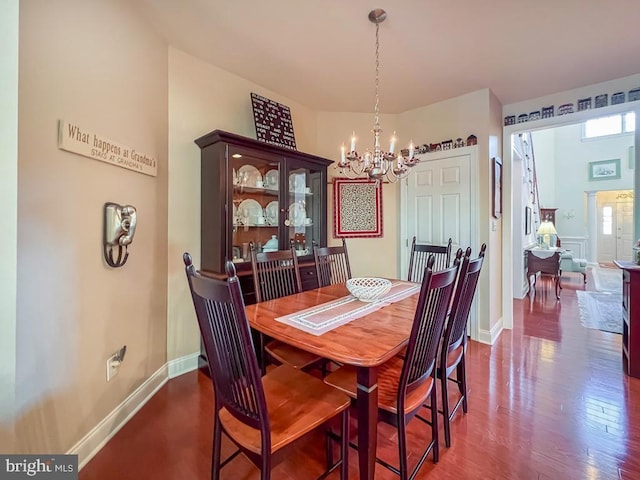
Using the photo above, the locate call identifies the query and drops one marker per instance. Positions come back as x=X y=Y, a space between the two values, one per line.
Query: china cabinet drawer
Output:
x=308 y=277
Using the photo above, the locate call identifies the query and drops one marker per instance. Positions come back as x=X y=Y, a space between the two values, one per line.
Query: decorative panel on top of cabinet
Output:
x=260 y=194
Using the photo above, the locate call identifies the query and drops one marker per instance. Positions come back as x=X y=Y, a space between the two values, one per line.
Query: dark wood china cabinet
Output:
x=260 y=194
x=630 y=317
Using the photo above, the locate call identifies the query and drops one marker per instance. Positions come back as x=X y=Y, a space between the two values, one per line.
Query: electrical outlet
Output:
x=113 y=364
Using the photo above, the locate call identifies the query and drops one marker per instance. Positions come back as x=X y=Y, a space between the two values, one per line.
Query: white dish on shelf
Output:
x=271 y=213
x=297 y=214
x=297 y=182
x=272 y=180
x=248 y=176
x=248 y=212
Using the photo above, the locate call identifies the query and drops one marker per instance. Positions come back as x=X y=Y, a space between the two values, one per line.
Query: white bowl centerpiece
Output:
x=368 y=289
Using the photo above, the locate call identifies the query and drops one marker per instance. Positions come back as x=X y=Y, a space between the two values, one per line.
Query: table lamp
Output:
x=546 y=229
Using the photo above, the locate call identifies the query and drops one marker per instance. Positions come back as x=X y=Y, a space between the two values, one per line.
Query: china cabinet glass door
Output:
x=304 y=224
x=255 y=199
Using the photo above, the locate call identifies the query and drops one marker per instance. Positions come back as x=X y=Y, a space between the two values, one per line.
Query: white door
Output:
x=615 y=226
x=606 y=238
x=439 y=201
x=624 y=229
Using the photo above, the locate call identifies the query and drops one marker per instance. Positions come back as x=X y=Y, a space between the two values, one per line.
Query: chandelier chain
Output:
x=377 y=107
x=377 y=163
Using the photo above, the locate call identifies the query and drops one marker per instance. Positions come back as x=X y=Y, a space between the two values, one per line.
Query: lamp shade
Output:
x=547 y=228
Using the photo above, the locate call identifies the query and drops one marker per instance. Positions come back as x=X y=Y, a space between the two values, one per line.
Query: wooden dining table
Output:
x=365 y=343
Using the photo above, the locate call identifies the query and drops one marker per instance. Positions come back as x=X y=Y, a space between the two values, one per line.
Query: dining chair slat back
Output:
x=227 y=343
x=245 y=399
x=332 y=264
x=275 y=274
x=420 y=254
x=421 y=356
x=406 y=382
x=452 y=354
x=428 y=325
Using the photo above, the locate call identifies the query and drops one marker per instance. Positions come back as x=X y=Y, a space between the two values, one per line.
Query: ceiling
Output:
x=321 y=53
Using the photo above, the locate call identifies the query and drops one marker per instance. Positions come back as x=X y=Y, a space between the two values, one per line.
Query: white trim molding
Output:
x=578 y=245
x=489 y=337
x=182 y=365
x=98 y=437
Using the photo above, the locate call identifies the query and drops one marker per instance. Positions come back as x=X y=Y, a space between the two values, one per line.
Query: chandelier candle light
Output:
x=377 y=164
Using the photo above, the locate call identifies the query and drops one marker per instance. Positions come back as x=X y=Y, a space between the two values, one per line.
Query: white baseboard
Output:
x=183 y=365
x=97 y=438
x=490 y=336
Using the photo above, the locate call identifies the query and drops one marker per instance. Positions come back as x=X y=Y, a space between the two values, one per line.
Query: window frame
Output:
x=623 y=127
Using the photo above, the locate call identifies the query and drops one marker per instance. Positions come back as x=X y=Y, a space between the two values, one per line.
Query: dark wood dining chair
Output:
x=276 y=274
x=454 y=344
x=547 y=266
x=406 y=382
x=260 y=415
x=332 y=264
x=420 y=254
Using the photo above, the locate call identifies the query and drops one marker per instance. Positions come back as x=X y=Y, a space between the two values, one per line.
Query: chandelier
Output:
x=377 y=164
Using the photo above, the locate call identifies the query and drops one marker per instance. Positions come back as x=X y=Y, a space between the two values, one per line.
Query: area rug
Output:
x=600 y=310
x=607 y=279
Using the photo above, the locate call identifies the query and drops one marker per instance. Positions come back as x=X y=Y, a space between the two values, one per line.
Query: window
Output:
x=607 y=220
x=612 y=125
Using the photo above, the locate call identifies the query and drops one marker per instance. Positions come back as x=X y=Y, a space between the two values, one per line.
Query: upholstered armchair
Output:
x=570 y=264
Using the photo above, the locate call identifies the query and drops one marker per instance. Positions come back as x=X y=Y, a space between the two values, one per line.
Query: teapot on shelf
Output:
x=271 y=245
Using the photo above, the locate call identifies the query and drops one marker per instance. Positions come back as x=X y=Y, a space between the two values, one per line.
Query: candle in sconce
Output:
x=400 y=160
x=342 y=155
x=411 y=150
x=353 y=142
x=392 y=145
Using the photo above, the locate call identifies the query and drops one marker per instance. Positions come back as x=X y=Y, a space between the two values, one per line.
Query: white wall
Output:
x=368 y=256
x=203 y=98
x=566 y=156
x=9 y=23
x=95 y=63
x=476 y=113
x=545 y=166
x=569 y=96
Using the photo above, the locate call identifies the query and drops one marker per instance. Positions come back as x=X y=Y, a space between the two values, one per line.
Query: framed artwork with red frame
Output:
x=357 y=208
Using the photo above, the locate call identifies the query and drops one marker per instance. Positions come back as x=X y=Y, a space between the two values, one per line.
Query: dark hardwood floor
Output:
x=548 y=401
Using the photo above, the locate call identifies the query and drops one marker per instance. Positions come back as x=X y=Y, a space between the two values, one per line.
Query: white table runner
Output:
x=327 y=316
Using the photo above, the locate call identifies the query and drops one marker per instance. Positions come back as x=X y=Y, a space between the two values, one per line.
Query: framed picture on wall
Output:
x=357 y=208
x=496 y=186
x=604 y=170
x=527 y=220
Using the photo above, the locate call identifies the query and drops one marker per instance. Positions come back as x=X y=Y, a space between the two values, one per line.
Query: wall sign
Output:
x=273 y=122
x=74 y=139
